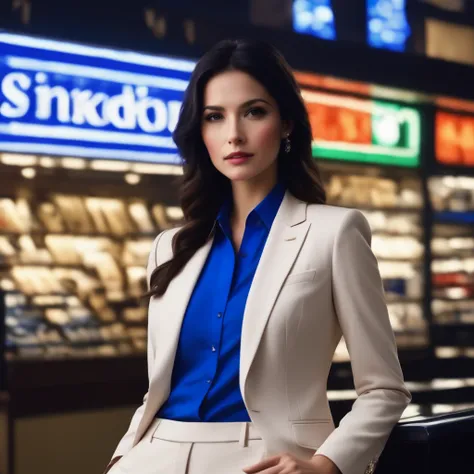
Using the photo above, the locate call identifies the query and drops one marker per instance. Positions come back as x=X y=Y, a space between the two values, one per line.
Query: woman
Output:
x=251 y=296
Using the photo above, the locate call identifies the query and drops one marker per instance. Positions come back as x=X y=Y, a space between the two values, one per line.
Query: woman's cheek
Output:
x=211 y=142
x=268 y=135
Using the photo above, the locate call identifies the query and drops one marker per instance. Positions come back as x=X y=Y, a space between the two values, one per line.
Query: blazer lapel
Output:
x=172 y=308
x=284 y=242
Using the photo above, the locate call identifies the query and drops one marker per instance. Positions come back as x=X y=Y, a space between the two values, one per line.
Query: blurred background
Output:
x=89 y=95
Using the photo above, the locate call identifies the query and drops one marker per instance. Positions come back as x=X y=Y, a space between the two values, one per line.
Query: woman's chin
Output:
x=248 y=173
x=241 y=175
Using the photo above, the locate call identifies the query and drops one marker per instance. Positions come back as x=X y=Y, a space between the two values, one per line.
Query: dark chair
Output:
x=431 y=445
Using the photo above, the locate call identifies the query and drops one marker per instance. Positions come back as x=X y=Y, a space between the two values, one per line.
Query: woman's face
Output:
x=241 y=127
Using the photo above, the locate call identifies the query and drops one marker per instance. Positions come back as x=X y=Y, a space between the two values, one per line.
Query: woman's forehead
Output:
x=234 y=88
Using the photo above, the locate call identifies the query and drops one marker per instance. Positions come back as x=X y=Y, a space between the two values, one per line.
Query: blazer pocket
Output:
x=311 y=434
x=300 y=277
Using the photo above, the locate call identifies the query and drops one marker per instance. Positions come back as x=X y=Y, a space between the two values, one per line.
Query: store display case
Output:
x=451 y=188
x=74 y=244
x=73 y=270
x=369 y=155
x=393 y=207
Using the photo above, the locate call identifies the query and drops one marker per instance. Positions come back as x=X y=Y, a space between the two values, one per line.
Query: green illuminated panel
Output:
x=396 y=135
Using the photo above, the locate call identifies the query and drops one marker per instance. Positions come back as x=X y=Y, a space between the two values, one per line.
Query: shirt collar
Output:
x=266 y=210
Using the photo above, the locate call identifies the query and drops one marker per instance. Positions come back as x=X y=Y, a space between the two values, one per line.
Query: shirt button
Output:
x=219 y=315
x=213 y=348
x=209 y=381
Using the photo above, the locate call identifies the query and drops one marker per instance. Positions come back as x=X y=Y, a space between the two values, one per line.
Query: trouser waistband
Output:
x=203 y=432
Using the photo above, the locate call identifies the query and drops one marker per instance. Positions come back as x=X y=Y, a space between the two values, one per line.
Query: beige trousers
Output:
x=175 y=447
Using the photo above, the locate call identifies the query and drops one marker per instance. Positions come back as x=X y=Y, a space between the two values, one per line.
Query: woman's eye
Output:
x=212 y=117
x=257 y=112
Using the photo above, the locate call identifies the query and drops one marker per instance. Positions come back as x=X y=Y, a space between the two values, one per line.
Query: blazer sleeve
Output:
x=126 y=442
x=360 y=306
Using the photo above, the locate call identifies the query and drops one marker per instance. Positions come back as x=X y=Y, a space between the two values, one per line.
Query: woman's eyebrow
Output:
x=245 y=104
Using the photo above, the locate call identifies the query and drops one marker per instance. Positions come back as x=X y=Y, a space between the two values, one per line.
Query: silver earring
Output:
x=287 y=145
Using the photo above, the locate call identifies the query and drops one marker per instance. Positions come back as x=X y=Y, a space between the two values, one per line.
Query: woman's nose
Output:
x=235 y=133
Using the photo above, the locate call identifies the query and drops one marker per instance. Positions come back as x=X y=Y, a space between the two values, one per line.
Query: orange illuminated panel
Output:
x=334 y=123
x=454 y=139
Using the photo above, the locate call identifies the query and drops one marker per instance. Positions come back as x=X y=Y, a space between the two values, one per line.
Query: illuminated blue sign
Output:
x=314 y=17
x=387 y=24
x=66 y=99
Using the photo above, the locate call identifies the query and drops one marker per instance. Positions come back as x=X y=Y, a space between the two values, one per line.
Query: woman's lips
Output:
x=238 y=158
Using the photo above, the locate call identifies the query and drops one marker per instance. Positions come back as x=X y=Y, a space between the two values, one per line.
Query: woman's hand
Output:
x=290 y=464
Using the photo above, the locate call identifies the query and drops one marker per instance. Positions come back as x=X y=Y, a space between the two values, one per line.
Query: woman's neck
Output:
x=246 y=197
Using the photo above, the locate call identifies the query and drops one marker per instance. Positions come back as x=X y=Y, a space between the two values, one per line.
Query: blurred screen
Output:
x=387 y=24
x=314 y=17
x=454 y=139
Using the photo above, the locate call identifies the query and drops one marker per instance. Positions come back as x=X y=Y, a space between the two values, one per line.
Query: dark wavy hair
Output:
x=203 y=188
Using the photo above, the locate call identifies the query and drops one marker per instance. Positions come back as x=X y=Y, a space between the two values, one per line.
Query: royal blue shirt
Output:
x=205 y=380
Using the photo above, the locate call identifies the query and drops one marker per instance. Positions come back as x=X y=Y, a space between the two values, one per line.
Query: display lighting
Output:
x=461 y=243
x=110 y=165
x=449 y=384
x=145 y=168
x=339 y=395
x=13 y=159
x=28 y=173
x=73 y=163
x=387 y=24
x=456 y=293
x=7 y=285
x=363 y=130
x=47 y=162
x=442 y=408
x=465 y=182
x=314 y=17
x=458 y=182
x=132 y=178
x=447 y=352
x=449 y=182
x=174 y=212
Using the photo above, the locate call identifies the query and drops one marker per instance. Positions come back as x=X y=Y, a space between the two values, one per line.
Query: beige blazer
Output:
x=316 y=281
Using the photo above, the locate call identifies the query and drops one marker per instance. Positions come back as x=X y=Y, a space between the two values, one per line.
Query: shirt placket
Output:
x=222 y=290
